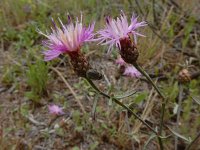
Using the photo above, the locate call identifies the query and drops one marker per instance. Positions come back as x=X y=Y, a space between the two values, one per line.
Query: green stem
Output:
x=143 y=72
x=121 y=104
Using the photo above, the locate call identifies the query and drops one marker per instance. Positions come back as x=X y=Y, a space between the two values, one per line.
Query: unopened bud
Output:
x=184 y=76
x=94 y=75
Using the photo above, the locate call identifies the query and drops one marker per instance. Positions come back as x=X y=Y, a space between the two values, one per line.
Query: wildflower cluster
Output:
x=69 y=38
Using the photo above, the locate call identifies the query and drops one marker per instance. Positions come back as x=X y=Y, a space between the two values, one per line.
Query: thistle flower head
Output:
x=132 y=72
x=118 y=29
x=67 y=38
x=56 y=110
x=126 y=69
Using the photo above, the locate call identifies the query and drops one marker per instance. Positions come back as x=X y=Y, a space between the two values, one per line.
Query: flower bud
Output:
x=184 y=76
x=94 y=75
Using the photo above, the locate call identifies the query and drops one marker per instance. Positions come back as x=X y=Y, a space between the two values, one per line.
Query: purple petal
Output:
x=66 y=38
x=55 y=109
x=117 y=29
x=51 y=54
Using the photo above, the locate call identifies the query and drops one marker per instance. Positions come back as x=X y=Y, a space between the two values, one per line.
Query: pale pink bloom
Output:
x=66 y=39
x=132 y=72
x=120 y=61
x=55 y=109
x=117 y=29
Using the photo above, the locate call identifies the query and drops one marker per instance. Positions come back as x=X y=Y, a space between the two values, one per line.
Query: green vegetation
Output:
x=37 y=77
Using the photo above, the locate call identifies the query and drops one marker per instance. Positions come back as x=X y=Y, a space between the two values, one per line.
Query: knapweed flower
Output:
x=132 y=72
x=55 y=109
x=119 y=33
x=127 y=69
x=120 y=61
x=68 y=39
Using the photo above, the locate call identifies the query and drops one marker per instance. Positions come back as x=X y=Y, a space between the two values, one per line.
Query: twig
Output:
x=140 y=9
x=175 y=4
x=145 y=111
x=129 y=129
x=154 y=12
x=70 y=88
x=94 y=108
x=35 y=122
x=180 y=97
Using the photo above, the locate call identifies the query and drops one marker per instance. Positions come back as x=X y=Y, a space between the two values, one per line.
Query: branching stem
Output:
x=143 y=72
x=121 y=104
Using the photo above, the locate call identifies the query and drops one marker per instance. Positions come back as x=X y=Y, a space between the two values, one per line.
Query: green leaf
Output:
x=94 y=145
x=24 y=110
x=125 y=95
x=75 y=148
x=79 y=128
x=140 y=97
x=60 y=132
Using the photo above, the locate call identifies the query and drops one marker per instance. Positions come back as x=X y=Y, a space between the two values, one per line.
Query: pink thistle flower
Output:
x=66 y=39
x=119 y=29
x=56 y=110
x=128 y=70
x=132 y=72
x=120 y=61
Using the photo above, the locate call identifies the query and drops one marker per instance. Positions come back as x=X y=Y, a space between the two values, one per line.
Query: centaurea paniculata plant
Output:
x=117 y=32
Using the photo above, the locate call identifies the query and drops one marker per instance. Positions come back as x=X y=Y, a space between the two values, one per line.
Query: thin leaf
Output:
x=126 y=95
x=148 y=141
x=140 y=97
x=94 y=108
x=180 y=136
